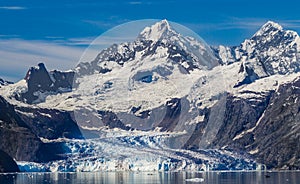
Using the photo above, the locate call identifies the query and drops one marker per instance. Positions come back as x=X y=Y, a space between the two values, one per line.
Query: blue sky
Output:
x=56 y=32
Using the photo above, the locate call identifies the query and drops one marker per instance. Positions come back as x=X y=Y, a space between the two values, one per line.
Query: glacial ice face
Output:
x=141 y=151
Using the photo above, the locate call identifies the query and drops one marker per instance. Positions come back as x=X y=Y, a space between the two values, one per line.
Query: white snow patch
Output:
x=45 y=114
x=200 y=118
x=243 y=133
x=28 y=114
x=252 y=152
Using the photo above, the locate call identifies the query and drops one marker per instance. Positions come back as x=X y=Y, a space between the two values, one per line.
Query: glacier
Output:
x=140 y=151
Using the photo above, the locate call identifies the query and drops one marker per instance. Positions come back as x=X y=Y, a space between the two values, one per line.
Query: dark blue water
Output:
x=153 y=177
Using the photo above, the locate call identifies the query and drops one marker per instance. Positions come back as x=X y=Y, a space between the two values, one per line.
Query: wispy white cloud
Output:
x=85 y=41
x=102 y=42
x=168 y=2
x=54 y=37
x=242 y=23
x=102 y=24
x=290 y=24
x=106 y=40
x=12 y=7
x=18 y=55
x=9 y=36
x=246 y=23
x=135 y=2
x=107 y=23
x=233 y=23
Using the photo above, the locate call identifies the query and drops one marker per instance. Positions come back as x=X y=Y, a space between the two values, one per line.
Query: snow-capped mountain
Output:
x=171 y=97
x=271 y=50
x=158 y=62
x=155 y=42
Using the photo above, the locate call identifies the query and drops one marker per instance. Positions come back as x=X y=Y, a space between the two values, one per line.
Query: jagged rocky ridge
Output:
x=4 y=82
x=185 y=51
x=41 y=83
x=271 y=50
x=255 y=122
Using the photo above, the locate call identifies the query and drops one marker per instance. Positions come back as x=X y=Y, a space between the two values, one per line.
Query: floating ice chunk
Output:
x=195 y=180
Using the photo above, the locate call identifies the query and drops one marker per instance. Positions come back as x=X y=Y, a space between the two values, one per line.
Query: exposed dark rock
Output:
x=40 y=81
x=62 y=80
x=7 y=164
x=111 y=120
x=268 y=124
x=250 y=76
x=22 y=141
x=135 y=109
x=144 y=114
x=194 y=141
x=173 y=109
x=38 y=78
x=276 y=140
x=278 y=132
x=49 y=123
x=240 y=115
x=4 y=82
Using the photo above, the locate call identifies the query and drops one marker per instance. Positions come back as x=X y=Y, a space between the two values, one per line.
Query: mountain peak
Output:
x=157 y=31
x=40 y=69
x=272 y=24
x=268 y=27
x=163 y=23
